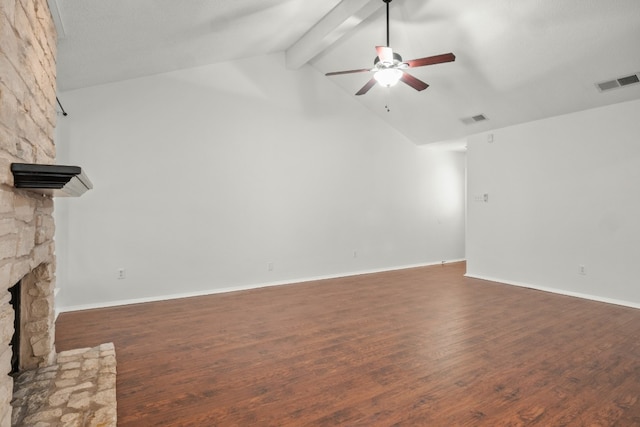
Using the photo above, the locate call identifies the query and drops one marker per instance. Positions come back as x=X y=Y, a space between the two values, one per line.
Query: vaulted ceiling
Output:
x=516 y=61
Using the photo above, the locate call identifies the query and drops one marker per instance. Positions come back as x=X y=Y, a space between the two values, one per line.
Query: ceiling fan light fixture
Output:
x=388 y=76
x=388 y=66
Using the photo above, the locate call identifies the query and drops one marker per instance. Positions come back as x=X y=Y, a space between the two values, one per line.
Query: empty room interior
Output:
x=348 y=212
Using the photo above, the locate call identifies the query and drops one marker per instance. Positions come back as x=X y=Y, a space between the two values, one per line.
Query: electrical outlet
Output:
x=355 y=254
x=270 y=266
x=122 y=273
x=582 y=270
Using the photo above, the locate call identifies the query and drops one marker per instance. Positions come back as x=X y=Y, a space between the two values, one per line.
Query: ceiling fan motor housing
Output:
x=397 y=59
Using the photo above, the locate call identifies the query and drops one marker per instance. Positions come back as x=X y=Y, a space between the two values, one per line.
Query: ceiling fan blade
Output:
x=335 y=73
x=430 y=60
x=371 y=83
x=415 y=83
x=385 y=54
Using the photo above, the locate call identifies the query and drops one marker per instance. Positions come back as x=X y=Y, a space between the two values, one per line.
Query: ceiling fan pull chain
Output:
x=388 y=100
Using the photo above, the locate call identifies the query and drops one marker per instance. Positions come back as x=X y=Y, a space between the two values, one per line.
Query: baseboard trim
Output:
x=558 y=291
x=241 y=288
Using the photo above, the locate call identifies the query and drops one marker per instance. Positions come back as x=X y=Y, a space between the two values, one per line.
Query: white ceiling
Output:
x=517 y=61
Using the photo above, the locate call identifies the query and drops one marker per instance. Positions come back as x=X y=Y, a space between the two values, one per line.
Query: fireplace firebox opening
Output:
x=15 y=340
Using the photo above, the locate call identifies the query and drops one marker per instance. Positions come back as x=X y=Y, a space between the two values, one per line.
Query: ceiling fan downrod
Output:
x=387 y=2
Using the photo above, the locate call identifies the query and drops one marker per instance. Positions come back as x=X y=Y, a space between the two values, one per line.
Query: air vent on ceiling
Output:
x=619 y=82
x=474 y=119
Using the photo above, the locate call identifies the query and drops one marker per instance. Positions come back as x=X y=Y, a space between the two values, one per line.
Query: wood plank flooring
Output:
x=423 y=346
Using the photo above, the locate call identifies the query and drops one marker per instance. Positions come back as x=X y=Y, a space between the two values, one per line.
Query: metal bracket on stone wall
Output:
x=51 y=180
x=64 y=113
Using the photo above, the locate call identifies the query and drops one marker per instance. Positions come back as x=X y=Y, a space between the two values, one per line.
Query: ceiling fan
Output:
x=388 y=67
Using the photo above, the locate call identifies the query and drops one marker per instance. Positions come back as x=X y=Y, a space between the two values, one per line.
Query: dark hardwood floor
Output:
x=421 y=346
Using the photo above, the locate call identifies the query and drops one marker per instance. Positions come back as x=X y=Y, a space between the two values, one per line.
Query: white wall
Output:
x=563 y=192
x=205 y=176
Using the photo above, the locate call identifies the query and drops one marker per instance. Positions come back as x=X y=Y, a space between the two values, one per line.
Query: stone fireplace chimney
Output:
x=27 y=121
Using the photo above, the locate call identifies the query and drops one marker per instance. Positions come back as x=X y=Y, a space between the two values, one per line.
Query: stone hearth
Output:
x=79 y=390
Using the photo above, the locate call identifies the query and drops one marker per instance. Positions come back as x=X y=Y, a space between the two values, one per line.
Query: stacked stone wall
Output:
x=27 y=121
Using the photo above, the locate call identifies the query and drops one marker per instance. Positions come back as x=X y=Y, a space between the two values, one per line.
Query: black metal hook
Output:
x=64 y=113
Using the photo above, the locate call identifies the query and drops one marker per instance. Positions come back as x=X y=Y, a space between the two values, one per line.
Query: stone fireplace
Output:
x=27 y=121
x=35 y=316
x=26 y=256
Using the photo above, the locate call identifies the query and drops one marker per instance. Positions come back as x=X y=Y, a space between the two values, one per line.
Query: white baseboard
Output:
x=238 y=288
x=559 y=291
